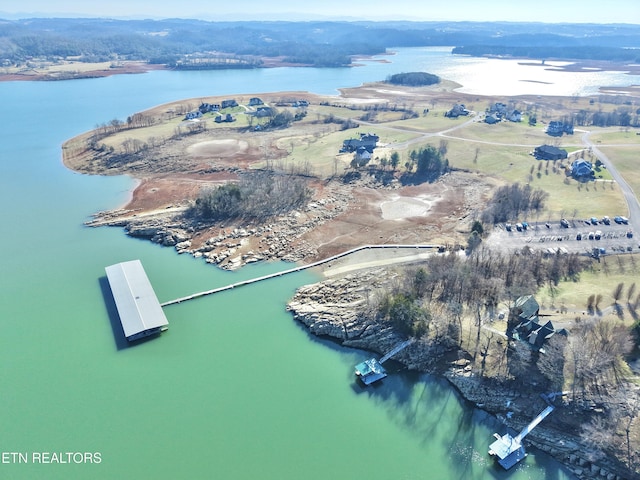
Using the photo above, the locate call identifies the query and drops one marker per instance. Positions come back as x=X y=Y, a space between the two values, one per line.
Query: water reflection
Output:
x=440 y=421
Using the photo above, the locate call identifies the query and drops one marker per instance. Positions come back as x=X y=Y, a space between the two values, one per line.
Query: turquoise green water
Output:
x=235 y=389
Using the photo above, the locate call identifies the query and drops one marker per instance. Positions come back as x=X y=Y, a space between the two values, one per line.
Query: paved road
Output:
x=627 y=191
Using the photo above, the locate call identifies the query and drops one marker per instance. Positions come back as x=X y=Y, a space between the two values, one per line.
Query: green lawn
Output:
x=434 y=121
x=502 y=151
x=615 y=136
x=625 y=160
x=601 y=279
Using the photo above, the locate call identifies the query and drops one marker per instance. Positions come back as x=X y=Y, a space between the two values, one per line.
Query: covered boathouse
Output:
x=138 y=308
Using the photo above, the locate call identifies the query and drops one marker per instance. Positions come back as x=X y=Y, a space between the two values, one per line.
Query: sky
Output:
x=548 y=11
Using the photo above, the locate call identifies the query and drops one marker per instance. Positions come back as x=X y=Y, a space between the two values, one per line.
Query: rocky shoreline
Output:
x=340 y=308
x=232 y=246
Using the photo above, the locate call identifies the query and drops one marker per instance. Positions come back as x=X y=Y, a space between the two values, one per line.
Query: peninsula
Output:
x=300 y=177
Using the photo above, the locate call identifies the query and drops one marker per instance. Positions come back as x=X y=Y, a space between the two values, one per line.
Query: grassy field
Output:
x=625 y=160
x=502 y=151
x=615 y=136
x=601 y=279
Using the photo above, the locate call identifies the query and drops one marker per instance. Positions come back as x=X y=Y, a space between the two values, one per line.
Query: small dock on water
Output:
x=509 y=450
x=370 y=371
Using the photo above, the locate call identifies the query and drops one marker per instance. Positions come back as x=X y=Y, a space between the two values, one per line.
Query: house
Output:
x=526 y=325
x=492 y=119
x=456 y=111
x=556 y=128
x=549 y=152
x=515 y=116
x=263 y=112
x=226 y=118
x=498 y=109
x=526 y=307
x=208 y=107
x=367 y=140
x=582 y=169
x=229 y=103
x=253 y=101
x=193 y=115
x=362 y=155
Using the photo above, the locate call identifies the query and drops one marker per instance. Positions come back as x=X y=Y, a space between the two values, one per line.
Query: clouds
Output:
x=551 y=11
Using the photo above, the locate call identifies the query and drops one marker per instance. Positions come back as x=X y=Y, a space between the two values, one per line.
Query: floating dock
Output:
x=138 y=308
x=509 y=450
x=371 y=370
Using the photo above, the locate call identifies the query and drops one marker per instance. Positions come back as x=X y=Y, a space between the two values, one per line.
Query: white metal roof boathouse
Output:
x=138 y=308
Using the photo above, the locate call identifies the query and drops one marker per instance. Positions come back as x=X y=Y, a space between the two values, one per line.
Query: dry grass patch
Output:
x=615 y=136
x=625 y=160
x=601 y=279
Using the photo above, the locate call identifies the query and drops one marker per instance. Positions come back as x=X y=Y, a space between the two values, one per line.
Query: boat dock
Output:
x=138 y=308
x=141 y=313
x=371 y=370
x=509 y=450
x=295 y=269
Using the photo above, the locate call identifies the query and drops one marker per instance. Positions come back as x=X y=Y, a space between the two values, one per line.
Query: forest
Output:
x=175 y=42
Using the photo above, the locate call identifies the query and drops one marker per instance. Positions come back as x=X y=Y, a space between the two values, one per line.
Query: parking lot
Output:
x=578 y=236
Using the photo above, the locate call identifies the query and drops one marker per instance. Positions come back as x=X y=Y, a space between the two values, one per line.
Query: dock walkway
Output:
x=293 y=270
x=396 y=349
x=510 y=450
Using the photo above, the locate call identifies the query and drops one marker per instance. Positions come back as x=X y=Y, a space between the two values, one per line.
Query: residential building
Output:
x=582 y=169
x=367 y=140
x=456 y=111
x=549 y=152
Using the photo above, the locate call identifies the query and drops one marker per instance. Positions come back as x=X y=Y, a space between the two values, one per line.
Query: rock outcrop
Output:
x=341 y=308
x=231 y=246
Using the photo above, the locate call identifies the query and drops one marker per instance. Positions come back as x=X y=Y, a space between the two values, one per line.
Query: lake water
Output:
x=235 y=389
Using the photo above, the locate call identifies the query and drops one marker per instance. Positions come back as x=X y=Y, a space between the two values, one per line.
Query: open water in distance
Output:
x=235 y=389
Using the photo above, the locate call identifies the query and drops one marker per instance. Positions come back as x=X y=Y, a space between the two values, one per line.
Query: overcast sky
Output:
x=551 y=11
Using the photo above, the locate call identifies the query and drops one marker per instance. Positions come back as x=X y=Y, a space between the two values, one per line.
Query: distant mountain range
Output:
x=176 y=42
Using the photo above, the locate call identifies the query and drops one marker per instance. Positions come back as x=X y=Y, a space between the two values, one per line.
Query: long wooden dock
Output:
x=295 y=269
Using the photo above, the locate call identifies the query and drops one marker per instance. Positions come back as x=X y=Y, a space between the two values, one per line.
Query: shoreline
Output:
x=65 y=71
x=336 y=308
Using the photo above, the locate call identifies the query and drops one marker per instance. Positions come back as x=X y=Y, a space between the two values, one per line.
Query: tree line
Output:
x=577 y=52
x=257 y=196
x=623 y=116
x=477 y=283
x=321 y=43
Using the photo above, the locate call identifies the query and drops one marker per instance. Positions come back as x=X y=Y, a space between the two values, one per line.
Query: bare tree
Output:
x=597 y=435
x=626 y=410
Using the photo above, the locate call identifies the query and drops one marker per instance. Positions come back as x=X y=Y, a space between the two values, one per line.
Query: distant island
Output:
x=413 y=79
